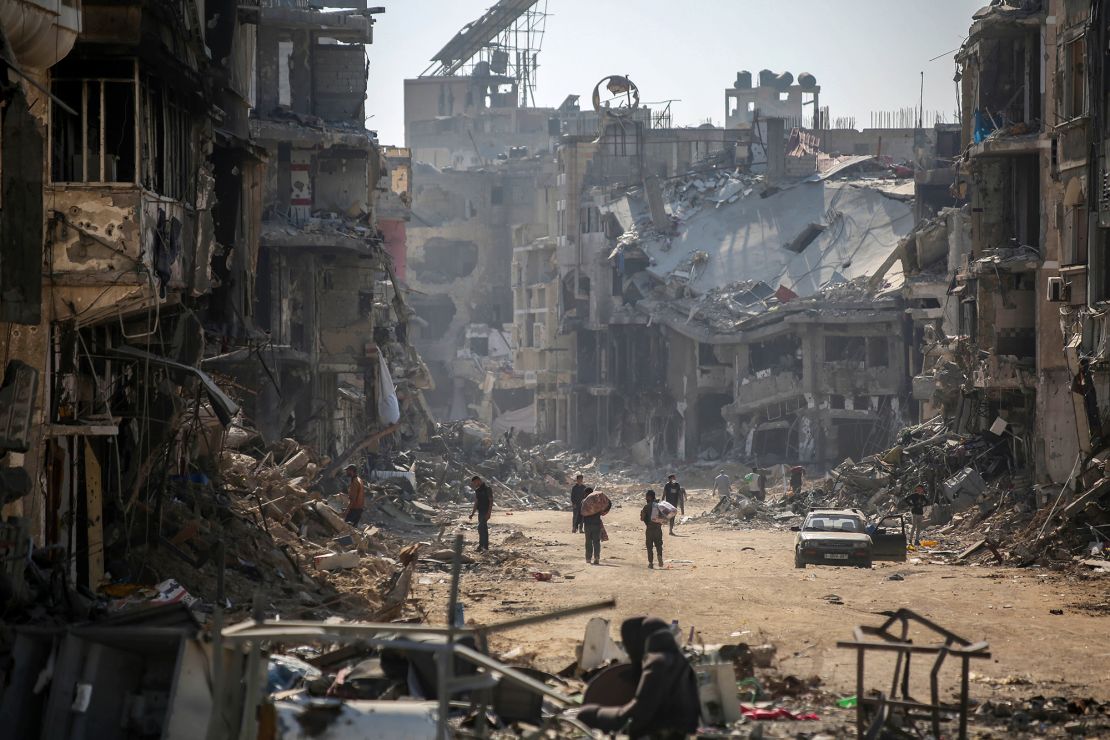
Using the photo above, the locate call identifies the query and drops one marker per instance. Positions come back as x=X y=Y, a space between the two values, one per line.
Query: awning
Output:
x=224 y=407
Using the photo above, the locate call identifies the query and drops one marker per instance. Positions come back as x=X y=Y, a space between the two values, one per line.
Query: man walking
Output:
x=356 y=497
x=917 y=502
x=483 y=507
x=756 y=485
x=577 y=493
x=722 y=485
x=653 y=532
x=591 y=525
x=797 y=474
x=672 y=494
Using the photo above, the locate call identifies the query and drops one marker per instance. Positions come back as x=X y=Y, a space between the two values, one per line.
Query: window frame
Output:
x=54 y=122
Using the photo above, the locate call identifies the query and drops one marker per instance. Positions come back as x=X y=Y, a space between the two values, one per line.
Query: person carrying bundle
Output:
x=654 y=515
x=594 y=506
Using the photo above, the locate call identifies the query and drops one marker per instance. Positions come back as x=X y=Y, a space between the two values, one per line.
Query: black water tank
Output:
x=782 y=82
x=743 y=80
x=766 y=77
x=807 y=81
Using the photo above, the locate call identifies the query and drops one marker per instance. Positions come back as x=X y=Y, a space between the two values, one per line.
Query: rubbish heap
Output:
x=522 y=477
x=980 y=497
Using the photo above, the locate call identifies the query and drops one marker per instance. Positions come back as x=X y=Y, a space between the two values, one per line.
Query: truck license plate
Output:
x=836 y=556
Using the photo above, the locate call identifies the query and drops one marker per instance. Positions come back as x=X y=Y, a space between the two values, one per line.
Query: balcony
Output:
x=104 y=230
x=752 y=392
x=1006 y=372
x=1010 y=146
x=849 y=379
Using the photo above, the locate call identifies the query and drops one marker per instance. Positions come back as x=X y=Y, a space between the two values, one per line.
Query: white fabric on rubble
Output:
x=389 y=409
x=521 y=420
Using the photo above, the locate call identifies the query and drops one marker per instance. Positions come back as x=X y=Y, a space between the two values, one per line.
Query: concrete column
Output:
x=776 y=150
x=300 y=73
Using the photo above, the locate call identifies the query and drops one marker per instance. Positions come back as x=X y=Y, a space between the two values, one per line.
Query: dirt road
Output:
x=716 y=584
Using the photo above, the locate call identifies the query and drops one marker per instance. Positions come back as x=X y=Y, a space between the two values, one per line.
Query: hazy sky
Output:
x=866 y=54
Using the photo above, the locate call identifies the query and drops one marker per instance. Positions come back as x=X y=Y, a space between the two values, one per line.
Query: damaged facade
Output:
x=188 y=241
x=1031 y=291
x=719 y=292
x=620 y=233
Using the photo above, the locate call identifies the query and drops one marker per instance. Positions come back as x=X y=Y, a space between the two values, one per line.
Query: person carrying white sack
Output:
x=654 y=515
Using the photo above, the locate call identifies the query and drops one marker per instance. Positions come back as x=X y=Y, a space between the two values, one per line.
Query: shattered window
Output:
x=1075 y=78
x=878 y=352
x=1075 y=235
x=98 y=143
x=167 y=143
x=845 y=349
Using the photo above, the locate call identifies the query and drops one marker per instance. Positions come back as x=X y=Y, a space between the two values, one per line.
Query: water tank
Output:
x=766 y=77
x=499 y=61
x=481 y=69
x=743 y=80
x=807 y=81
x=782 y=82
x=40 y=32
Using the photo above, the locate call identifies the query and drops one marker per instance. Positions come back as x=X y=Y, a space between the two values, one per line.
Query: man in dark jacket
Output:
x=653 y=533
x=666 y=703
x=577 y=493
x=672 y=494
x=917 y=502
x=591 y=525
x=483 y=507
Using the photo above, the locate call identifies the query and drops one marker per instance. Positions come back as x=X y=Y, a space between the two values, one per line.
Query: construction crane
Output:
x=505 y=42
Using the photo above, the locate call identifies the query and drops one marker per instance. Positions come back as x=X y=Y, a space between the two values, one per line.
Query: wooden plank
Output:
x=972 y=549
x=94 y=511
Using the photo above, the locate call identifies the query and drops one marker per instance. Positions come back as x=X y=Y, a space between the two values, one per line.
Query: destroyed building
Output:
x=459 y=260
x=189 y=238
x=320 y=249
x=588 y=298
x=1030 y=291
x=124 y=262
x=713 y=301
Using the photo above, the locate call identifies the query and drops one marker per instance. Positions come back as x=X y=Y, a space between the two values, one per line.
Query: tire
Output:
x=798 y=562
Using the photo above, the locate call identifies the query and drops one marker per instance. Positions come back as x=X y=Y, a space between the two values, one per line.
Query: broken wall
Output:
x=471 y=122
x=897 y=143
x=460 y=254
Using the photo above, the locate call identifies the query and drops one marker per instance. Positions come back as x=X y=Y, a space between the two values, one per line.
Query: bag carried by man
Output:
x=662 y=512
x=595 y=503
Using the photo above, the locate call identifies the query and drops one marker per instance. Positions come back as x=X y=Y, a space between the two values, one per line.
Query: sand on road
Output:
x=727 y=581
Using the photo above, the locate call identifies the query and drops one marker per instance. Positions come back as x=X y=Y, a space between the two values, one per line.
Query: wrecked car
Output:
x=844 y=537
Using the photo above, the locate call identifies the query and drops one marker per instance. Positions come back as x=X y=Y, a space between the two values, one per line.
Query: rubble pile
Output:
x=522 y=477
x=1046 y=716
x=687 y=195
x=982 y=501
x=285 y=538
x=740 y=510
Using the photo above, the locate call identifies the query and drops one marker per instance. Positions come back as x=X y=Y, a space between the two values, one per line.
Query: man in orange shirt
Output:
x=356 y=497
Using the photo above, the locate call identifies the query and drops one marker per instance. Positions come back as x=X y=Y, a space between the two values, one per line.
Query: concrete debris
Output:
x=524 y=477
